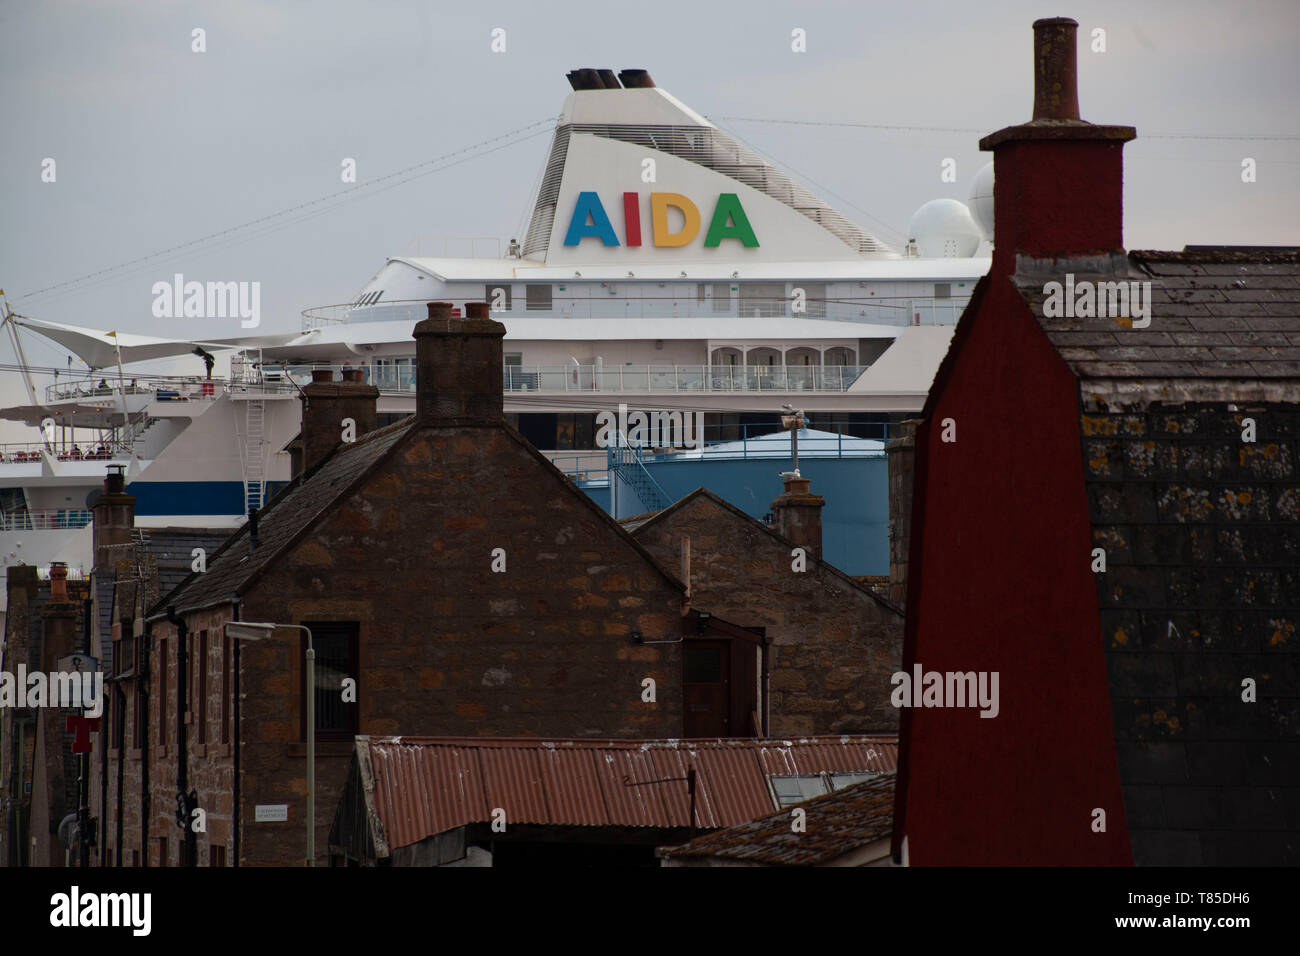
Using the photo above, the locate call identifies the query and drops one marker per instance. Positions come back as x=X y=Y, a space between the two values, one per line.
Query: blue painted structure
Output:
x=851 y=474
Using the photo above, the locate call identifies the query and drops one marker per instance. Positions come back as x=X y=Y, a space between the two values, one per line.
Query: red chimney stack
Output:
x=1058 y=184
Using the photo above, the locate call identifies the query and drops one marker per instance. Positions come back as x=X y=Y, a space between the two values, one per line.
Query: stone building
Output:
x=454 y=582
x=133 y=568
x=831 y=641
x=1106 y=514
x=40 y=774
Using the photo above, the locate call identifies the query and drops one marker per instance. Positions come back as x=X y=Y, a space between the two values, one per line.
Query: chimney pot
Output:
x=114 y=512
x=1058 y=187
x=1056 y=73
x=798 y=516
x=326 y=404
x=58 y=583
x=458 y=366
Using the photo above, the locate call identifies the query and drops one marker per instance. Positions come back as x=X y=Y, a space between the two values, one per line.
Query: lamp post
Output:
x=252 y=631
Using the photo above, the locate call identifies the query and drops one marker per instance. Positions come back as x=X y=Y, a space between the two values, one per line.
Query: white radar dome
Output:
x=981 y=200
x=944 y=229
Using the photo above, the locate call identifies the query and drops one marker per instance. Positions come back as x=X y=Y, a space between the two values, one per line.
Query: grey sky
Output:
x=156 y=145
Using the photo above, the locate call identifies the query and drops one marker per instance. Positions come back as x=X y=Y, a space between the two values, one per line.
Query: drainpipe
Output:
x=189 y=847
x=83 y=760
x=146 y=675
x=767 y=687
x=119 y=738
x=236 y=733
x=103 y=792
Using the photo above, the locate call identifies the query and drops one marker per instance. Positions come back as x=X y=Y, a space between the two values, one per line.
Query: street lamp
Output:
x=254 y=631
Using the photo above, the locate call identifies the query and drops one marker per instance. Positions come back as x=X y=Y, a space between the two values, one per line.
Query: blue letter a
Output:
x=589 y=205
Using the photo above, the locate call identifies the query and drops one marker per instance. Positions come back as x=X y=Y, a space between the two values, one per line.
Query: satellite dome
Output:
x=981 y=200
x=944 y=229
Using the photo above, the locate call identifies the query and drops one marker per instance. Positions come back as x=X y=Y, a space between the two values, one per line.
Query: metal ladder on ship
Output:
x=252 y=444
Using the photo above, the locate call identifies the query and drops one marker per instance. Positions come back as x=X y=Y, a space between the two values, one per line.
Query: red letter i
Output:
x=632 y=218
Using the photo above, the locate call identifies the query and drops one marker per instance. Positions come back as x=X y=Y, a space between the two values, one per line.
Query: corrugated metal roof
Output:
x=425 y=786
x=834 y=824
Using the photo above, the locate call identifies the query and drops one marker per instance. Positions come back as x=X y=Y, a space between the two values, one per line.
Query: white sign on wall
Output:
x=270 y=812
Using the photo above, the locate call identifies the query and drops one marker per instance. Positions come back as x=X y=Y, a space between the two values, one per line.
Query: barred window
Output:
x=336 y=646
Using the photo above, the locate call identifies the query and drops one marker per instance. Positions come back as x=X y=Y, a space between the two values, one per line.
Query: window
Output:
x=162 y=851
x=216 y=855
x=489 y=296
x=721 y=297
x=538 y=298
x=841 y=780
x=762 y=299
x=336 y=645
x=225 y=688
x=943 y=290
x=814 y=298
x=140 y=728
x=700 y=289
x=703 y=665
x=789 y=789
x=796 y=788
x=200 y=706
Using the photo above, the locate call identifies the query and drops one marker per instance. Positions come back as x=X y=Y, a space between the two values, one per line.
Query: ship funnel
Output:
x=588 y=79
x=635 y=79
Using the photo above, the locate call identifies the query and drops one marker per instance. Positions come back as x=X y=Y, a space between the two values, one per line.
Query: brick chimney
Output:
x=326 y=403
x=1058 y=182
x=458 y=367
x=114 y=512
x=60 y=619
x=797 y=516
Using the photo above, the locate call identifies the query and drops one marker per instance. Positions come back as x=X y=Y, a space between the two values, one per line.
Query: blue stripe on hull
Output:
x=193 y=497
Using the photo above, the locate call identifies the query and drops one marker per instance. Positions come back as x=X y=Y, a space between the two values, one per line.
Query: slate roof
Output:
x=635 y=523
x=1216 y=313
x=105 y=582
x=836 y=823
x=174 y=549
x=282 y=521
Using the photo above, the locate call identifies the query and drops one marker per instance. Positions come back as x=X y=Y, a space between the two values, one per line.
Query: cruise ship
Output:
x=667 y=268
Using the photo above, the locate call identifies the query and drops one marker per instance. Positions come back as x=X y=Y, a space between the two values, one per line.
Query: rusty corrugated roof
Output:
x=422 y=786
x=834 y=824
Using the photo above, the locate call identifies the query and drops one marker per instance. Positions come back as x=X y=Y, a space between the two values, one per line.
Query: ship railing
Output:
x=45 y=519
x=159 y=387
x=681 y=378
x=867 y=309
x=398 y=377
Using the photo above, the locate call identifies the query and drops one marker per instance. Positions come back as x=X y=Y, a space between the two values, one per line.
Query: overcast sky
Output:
x=156 y=146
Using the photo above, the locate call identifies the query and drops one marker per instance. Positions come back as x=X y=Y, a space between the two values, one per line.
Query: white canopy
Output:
x=99 y=349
